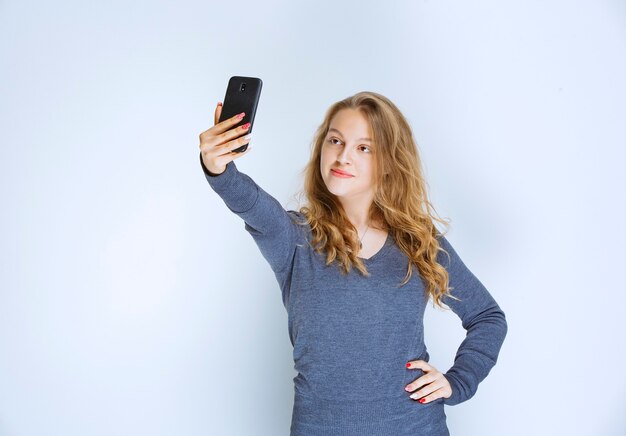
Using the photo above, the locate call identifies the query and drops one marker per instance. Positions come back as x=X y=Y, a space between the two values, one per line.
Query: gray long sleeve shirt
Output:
x=352 y=335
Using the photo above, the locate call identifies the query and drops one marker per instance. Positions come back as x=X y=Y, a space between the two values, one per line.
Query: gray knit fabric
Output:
x=352 y=335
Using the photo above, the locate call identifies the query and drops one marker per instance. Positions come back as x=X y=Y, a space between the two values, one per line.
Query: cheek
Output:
x=323 y=162
x=325 y=158
x=368 y=174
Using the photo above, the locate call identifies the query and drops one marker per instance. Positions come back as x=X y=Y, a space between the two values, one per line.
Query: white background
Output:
x=133 y=302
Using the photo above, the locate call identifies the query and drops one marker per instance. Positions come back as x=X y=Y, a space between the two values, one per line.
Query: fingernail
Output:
x=248 y=136
x=421 y=400
x=245 y=126
x=408 y=365
x=406 y=388
x=219 y=103
x=240 y=116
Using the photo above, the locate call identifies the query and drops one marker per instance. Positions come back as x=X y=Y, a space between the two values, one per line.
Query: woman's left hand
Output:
x=433 y=384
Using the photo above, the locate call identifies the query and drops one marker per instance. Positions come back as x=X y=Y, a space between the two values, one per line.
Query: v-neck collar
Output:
x=381 y=251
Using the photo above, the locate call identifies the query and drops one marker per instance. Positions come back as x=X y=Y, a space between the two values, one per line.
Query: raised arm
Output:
x=484 y=322
x=274 y=229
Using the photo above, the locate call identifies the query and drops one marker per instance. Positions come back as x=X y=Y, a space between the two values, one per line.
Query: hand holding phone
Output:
x=223 y=142
x=217 y=144
x=242 y=95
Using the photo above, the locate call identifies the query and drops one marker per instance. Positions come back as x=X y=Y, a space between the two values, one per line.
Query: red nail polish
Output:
x=241 y=115
x=245 y=126
x=219 y=103
x=408 y=365
x=421 y=400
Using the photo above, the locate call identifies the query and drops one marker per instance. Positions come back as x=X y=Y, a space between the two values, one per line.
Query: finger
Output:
x=230 y=156
x=228 y=147
x=425 y=391
x=223 y=126
x=428 y=397
x=424 y=399
x=228 y=123
x=236 y=155
x=236 y=143
x=208 y=139
x=421 y=381
x=218 y=112
x=418 y=364
x=241 y=153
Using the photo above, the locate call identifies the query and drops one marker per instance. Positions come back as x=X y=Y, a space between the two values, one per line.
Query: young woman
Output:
x=356 y=267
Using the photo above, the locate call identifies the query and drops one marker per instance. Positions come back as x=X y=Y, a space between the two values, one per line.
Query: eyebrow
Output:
x=360 y=139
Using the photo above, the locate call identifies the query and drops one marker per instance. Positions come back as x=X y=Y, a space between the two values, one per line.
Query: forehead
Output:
x=350 y=123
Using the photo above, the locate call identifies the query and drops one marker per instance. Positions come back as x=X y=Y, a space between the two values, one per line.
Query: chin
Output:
x=337 y=193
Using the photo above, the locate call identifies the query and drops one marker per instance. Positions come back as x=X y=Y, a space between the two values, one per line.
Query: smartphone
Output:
x=242 y=95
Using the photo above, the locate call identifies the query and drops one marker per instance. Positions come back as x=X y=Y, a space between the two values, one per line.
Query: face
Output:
x=348 y=147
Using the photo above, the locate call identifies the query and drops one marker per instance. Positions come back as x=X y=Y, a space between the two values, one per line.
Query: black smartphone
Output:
x=242 y=95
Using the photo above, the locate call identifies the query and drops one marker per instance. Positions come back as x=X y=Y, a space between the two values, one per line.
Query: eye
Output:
x=333 y=139
x=368 y=149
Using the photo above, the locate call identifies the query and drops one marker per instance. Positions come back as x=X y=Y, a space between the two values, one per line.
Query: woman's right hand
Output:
x=217 y=143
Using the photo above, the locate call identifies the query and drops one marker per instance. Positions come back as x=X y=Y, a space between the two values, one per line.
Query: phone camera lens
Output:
x=243 y=87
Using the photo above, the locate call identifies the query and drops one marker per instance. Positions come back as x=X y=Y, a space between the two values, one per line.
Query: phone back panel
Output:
x=242 y=95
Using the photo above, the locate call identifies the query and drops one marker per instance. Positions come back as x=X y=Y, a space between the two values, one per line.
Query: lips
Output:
x=343 y=173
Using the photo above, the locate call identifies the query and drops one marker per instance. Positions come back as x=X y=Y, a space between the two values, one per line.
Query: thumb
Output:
x=218 y=112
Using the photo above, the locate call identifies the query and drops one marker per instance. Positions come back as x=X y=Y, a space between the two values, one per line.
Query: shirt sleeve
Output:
x=483 y=320
x=275 y=230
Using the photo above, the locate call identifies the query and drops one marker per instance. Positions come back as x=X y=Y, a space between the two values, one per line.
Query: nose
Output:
x=344 y=157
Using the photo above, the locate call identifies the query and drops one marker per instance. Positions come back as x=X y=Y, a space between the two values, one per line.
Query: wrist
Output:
x=207 y=171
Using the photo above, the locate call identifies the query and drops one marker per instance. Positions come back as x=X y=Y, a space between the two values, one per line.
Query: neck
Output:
x=358 y=213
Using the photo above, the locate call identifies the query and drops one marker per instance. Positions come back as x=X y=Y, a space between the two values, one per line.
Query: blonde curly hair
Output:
x=400 y=200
